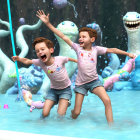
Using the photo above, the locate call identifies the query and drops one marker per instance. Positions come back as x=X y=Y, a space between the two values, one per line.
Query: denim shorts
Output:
x=56 y=94
x=83 y=89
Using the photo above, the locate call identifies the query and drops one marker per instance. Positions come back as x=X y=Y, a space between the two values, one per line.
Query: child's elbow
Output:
x=28 y=62
x=112 y=50
x=76 y=61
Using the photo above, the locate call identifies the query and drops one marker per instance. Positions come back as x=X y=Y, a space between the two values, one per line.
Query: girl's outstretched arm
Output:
x=25 y=61
x=121 y=52
x=45 y=18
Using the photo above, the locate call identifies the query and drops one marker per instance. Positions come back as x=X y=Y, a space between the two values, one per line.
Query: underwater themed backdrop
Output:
x=117 y=27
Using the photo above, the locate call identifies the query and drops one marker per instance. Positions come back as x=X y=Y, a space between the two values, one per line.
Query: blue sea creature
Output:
x=96 y=27
x=31 y=79
x=136 y=75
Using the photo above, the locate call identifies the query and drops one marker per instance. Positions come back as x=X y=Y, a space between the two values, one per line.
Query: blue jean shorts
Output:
x=56 y=94
x=83 y=89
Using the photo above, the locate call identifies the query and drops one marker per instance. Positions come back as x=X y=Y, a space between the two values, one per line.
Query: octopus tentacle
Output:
x=20 y=41
x=4 y=33
x=8 y=67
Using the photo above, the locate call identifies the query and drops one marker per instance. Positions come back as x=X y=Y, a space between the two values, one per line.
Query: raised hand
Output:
x=45 y=18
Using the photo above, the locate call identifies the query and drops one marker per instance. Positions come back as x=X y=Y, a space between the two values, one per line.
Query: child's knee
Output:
x=107 y=102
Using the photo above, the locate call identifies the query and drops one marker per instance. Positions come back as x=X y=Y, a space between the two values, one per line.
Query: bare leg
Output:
x=101 y=93
x=47 y=107
x=62 y=107
x=78 y=105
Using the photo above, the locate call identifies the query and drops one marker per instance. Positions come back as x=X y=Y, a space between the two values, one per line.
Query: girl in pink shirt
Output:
x=54 y=67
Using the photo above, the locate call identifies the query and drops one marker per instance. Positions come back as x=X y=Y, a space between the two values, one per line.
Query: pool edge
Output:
x=13 y=135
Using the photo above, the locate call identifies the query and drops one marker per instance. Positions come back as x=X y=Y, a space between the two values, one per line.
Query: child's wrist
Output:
x=47 y=22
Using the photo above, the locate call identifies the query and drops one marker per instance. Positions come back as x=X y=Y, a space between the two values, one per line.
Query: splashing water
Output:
x=75 y=12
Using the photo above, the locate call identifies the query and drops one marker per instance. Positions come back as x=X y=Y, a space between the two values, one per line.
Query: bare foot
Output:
x=73 y=115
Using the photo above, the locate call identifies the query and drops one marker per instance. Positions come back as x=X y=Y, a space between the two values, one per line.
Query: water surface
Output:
x=90 y=124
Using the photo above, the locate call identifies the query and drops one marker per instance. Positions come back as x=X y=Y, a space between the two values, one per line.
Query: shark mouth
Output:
x=132 y=24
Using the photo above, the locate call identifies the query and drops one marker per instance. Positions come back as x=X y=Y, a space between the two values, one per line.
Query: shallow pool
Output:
x=90 y=124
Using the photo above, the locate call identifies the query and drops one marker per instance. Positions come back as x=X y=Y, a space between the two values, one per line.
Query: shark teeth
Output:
x=132 y=24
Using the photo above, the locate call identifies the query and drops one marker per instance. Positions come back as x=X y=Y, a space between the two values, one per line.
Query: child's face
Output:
x=85 y=40
x=43 y=52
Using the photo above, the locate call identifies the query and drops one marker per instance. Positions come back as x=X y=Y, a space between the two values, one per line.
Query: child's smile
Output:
x=84 y=40
x=43 y=52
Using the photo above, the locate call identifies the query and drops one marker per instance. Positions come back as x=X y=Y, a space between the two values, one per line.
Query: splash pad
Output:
x=92 y=119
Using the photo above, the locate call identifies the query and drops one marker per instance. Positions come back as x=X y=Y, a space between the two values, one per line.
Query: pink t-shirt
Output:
x=87 y=61
x=56 y=72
